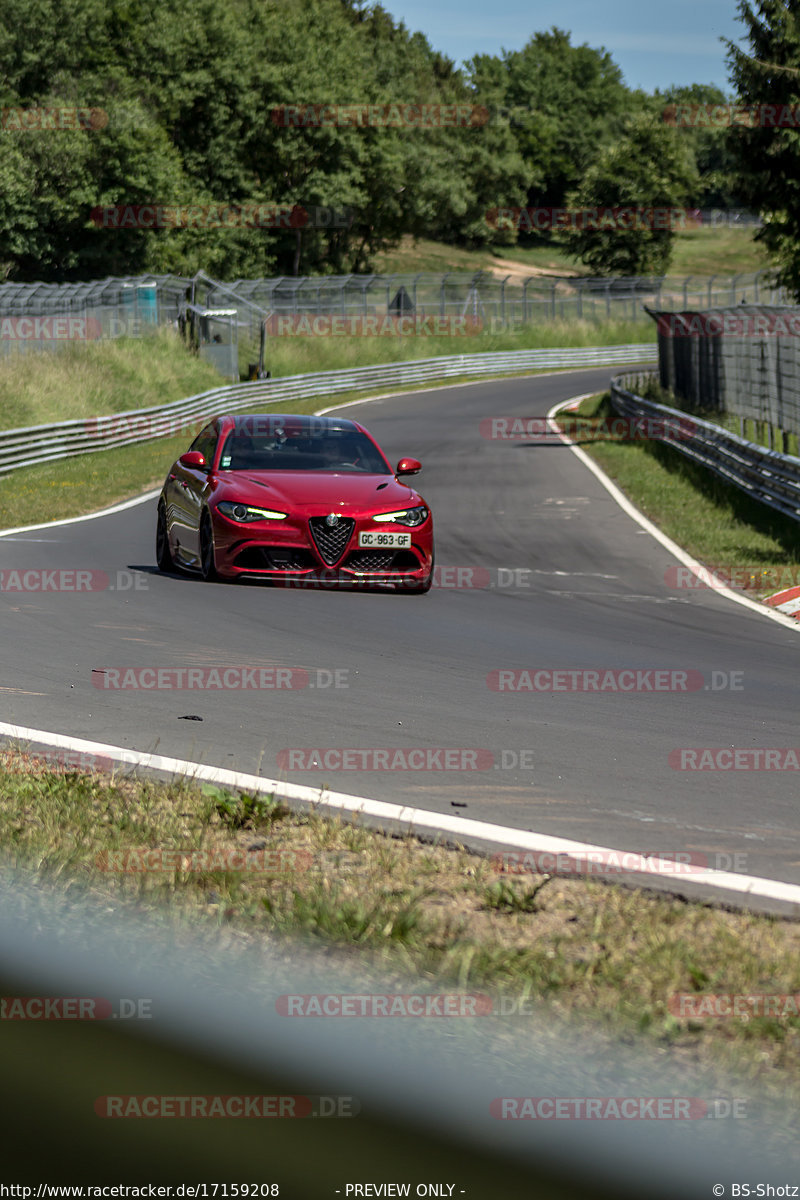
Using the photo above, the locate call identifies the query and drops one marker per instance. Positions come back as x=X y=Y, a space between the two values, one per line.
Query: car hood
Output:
x=317 y=493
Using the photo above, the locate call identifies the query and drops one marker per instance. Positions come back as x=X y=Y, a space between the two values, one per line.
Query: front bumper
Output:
x=286 y=551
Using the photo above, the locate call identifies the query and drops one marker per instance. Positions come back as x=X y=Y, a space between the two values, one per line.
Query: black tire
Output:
x=163 y=553
x=208 y=568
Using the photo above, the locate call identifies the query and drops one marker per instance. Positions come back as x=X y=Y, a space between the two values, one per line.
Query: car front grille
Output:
x=275 y=558
x=382 y=560
x=371 y=560
x=331 y=540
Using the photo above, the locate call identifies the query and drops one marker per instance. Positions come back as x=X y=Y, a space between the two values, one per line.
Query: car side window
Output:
x=206 y=443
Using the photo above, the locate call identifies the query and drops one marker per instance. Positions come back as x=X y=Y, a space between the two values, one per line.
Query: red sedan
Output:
x=294 y=498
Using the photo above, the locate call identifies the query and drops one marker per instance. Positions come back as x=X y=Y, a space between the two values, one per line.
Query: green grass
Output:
x=85 y=483
x=297 y=355
x=717 y=523
x=72 y=487
x=709 y=251
x=603 y=952
x=763 y=433
x=422 y=255
x=722 y=251
x=91 y=379
x=126 y=374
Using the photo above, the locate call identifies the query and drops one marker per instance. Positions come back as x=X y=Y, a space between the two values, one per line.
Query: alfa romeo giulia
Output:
x=294 y=498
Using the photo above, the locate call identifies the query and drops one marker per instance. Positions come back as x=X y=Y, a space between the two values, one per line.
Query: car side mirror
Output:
x=408 y=466
x=193 y=459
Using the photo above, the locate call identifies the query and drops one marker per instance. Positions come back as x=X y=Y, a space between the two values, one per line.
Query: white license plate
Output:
x=394 y=541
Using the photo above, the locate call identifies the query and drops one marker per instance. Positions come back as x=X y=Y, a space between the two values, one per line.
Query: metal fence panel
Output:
x=128 y=306
x=743 y=360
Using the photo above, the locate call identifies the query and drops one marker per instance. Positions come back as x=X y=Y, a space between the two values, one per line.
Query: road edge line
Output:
x=416 y=820
x=645 y=523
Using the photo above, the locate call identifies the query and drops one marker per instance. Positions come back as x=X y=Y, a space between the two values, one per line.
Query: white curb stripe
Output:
x=661 y=537
x=417 y=819
x=104 y=512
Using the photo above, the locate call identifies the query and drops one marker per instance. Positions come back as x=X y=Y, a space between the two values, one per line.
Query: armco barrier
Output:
x=766 y=475
x=64 y=439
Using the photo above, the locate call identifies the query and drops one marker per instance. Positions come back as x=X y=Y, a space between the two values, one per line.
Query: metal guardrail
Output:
x=766 y=475
x=65 y=439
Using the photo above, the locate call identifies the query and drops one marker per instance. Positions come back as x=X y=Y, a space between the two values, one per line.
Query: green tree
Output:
x=563 y=103
x=648 y=168
x=189 y=95
x=768 y=155
x=710 y=145
x=46 y=193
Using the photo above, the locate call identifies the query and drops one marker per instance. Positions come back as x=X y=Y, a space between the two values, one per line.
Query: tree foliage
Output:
x=562 y=102
x=190 y=93
x=649 y=170
x=767 y=154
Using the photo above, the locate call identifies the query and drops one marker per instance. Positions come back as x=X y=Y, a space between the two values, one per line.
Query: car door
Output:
x=189 y=490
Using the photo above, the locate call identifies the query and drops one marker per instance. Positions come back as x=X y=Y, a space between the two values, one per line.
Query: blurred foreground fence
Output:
x=410 y=1100
x=64 y=439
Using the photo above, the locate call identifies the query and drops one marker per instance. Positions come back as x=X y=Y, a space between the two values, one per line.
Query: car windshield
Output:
x=301 y=450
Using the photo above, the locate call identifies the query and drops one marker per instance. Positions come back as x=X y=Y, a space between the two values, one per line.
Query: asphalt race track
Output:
x=565 y=579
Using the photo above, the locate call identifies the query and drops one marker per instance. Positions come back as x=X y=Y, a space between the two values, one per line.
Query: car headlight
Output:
x=405 y=516
x=247 y=512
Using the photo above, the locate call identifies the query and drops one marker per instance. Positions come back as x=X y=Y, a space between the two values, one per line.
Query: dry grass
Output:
x=585 y=948
x=90 y=379
x=746 y=543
